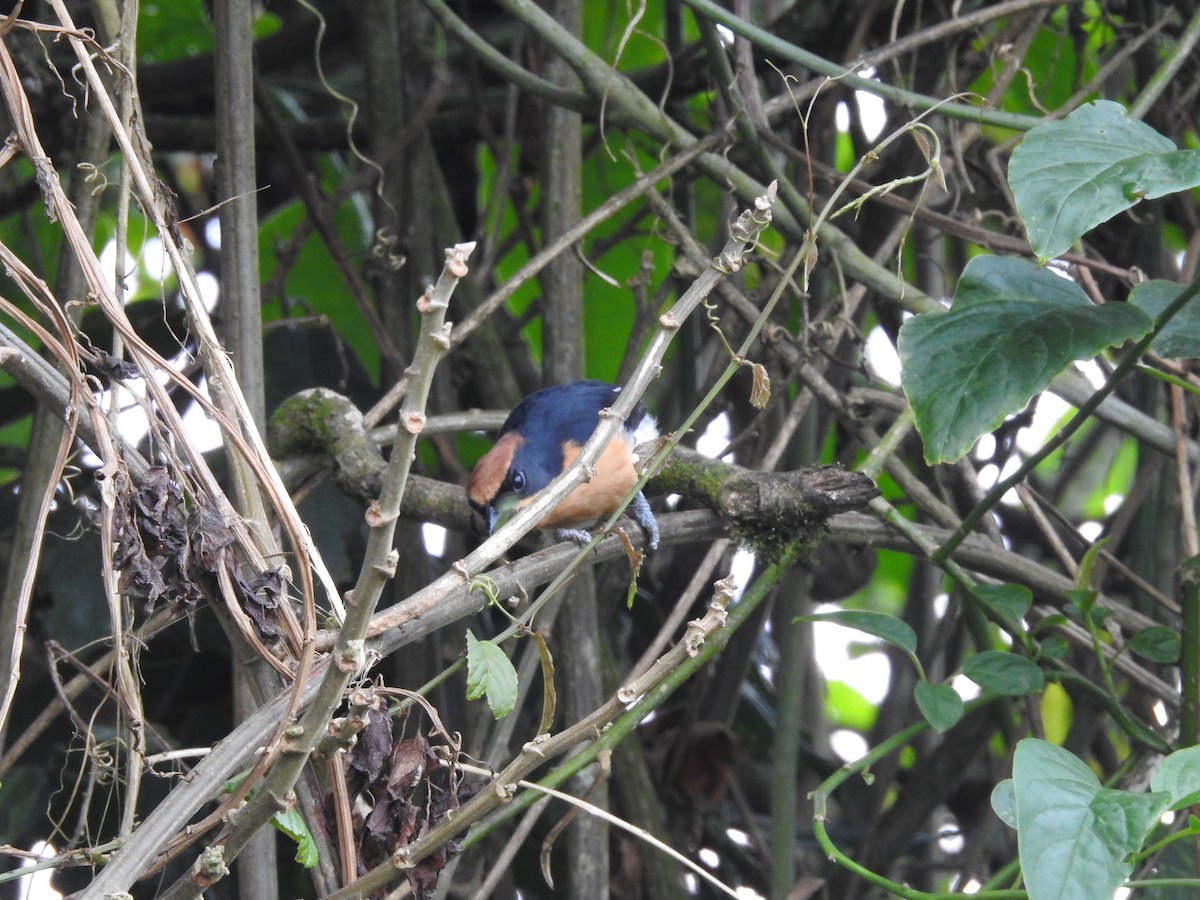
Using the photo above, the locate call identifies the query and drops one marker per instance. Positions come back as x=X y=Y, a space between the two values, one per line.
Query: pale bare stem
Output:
x=208 y=493
x=348 y=656
x=18 y=363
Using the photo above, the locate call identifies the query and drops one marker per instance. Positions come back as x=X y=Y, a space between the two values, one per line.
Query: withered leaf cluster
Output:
x=410 y=785
x=153 y=555
x=166 y=548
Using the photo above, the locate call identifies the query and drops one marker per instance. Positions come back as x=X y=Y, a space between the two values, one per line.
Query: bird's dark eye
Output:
x=518 y=480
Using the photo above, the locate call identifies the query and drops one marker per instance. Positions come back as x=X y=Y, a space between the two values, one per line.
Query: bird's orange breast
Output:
x=602 y=495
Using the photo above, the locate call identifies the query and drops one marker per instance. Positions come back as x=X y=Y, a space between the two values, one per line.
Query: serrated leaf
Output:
x=1179 y=777
x=1157 y=643
x=1004 y=673
x=939 y=704
x=1009 y=601
x=886 y=628
x=1011 y=329
x=490 y=673
x=1181 y=335
x=1069 y=176
x=291 y=823
x=1004 y=802
x=1073 y=836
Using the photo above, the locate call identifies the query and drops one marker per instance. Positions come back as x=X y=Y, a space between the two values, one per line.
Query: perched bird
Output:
x=540 y=438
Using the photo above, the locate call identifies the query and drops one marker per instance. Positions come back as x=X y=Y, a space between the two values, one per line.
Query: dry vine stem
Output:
x=250 y=544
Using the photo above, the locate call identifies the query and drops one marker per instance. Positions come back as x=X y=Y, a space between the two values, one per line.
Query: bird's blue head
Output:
x=539 y=438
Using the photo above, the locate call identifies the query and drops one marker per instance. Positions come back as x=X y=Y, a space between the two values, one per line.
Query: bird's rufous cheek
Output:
x=492 y=469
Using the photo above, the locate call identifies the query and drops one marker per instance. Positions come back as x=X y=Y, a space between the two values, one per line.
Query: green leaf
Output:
x=1012 y=328
x=1179 y=776
x=886 y=628
x=1181 y=335
x=939 y=704
x=291 y=823
x=1054 y=647
x=490 y=673
x=1069 y=176
x=1074 y=837
x=1009 y=601
x=1004 y=673
x=1004 y=802
x=1157 y=643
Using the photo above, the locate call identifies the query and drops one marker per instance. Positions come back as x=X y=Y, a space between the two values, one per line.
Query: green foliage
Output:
x=1075 y=837
x=1008 y=601
x=1179 y=776
x=1012 y=327
x=173 y=29
x=1181 y=335
x=314 y=285
x=490 y=674
x=291 y=823
x=886 y=628
x=1004 y=673
x=940 y=704
x=1157 y=643
x=1069 y=176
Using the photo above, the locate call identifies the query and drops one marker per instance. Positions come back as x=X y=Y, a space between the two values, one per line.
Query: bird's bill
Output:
x=502 y=509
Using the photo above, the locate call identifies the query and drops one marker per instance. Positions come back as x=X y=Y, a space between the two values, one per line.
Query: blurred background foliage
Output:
x=383 y=138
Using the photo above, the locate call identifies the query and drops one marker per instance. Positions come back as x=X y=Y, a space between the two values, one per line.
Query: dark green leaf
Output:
x=1157 y=643
x=490 y=673
x=886 y=628
x=1069 y=176
x=1009 y=601
x=939 y=704
x=1181 y=335
x=1011 y=329
x=1054 y=647
x=1074 y=837
x=1004 y=673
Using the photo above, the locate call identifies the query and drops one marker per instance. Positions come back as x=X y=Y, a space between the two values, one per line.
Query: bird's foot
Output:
x=644 y=516
x=578 y=535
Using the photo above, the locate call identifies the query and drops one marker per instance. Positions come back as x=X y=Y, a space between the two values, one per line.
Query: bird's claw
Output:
x=578 y=535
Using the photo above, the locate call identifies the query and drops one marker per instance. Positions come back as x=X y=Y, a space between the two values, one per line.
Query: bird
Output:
x=541 y=437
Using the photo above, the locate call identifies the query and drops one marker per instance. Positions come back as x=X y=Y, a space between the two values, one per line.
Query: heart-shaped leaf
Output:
x=1069 y=176
x=1011 y=329
x=1074 y=838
